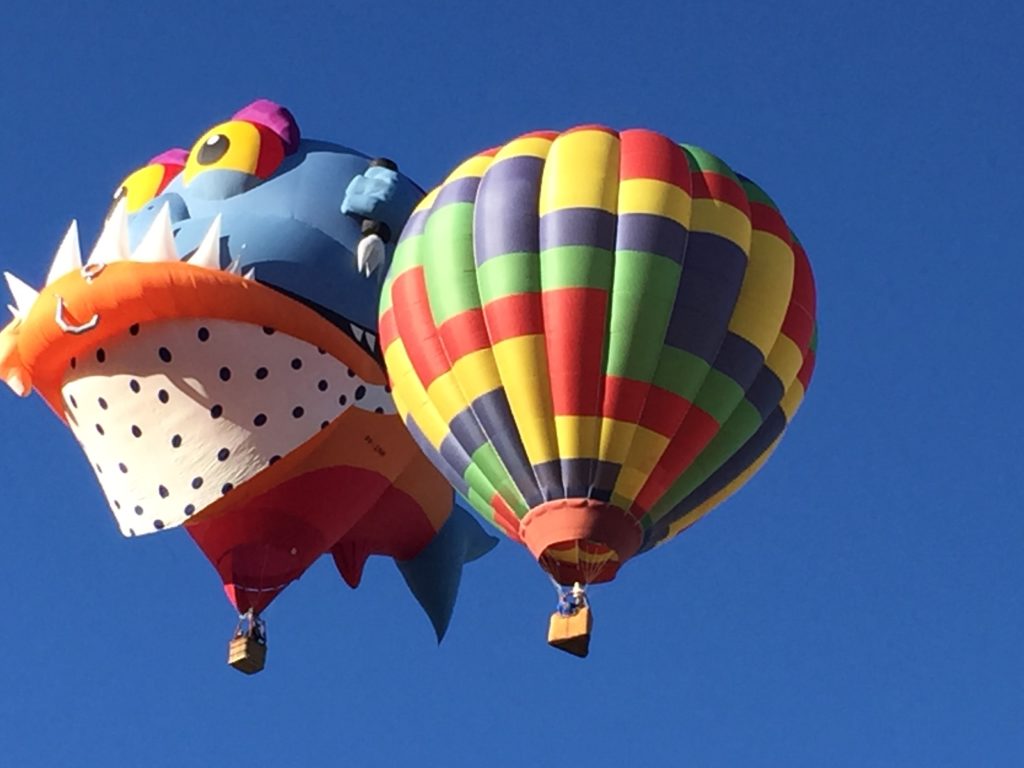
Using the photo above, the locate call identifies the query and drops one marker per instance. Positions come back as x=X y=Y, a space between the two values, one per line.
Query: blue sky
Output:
x=860 y=603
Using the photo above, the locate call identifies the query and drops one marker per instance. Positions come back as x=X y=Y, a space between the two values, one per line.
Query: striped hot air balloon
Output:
x=597 y=336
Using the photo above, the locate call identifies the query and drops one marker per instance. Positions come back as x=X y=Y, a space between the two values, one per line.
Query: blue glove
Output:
x=377 y=185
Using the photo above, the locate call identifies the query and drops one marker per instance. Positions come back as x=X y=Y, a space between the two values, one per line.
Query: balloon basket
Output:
x=571 y=633
x=247 y=654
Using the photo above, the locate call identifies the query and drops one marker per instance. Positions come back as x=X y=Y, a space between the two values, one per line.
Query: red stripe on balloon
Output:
x=505 y=517
x=649 y=155
x=574 y=325
x=807 y=369
x=386 y=330
x=664 y=412
x=518 y=314
x=415 y=325
x=718 y=187
x=767 y=219
x=694 y=434
x=464 y=333
x=624 y=398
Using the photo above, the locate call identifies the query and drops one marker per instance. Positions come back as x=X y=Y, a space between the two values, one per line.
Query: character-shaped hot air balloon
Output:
x=217 y=359
x=597 y=337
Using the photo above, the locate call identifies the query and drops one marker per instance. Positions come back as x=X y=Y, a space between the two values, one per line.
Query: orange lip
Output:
x=35 y=352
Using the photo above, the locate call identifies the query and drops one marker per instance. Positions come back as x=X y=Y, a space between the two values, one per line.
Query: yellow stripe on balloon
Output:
x=590 y=158
x=655 y=197
x=764 y=295
x=410 y=396
x=476 y=374
x=528 y=146
x=792 y=400
x=720 y=218
x=474 y=166
x=738 y=482
x=447 y=397
x=577 y=436
x=523 y=365
x=616 y=439
x=644 y=452
x=785 y=360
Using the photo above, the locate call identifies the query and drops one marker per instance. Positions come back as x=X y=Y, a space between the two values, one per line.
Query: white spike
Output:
x=235 y=267
x=16 y=383
x=208 y=253
x=357 y=333
x=112 y=244
x=158 y=243
x=371 y=341
x=68 y=257
x=24 y=295
x=250 y=275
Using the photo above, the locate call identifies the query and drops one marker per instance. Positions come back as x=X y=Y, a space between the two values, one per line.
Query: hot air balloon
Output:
x=597 y=336
x=217 y=359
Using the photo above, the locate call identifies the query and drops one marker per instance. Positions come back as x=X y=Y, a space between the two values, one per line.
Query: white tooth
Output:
x=68 y=257
x=235 y=267
x=357 y=332
x=158 y=243
x=371 y=341
x=15 y=382
x=208 y=253
x=250 y=275
x=24 y=295
x=369 y=254
x=112 y=244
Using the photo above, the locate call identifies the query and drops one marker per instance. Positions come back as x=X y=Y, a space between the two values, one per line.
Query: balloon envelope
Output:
x=597 y=336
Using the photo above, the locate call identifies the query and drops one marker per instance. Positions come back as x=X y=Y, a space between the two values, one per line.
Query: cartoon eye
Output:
x=236 y=145
x=142 y=185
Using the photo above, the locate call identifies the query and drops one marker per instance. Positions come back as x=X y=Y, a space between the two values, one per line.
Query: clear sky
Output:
x=860 y=603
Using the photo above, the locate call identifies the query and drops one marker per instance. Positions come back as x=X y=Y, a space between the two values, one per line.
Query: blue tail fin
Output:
x=433 y=575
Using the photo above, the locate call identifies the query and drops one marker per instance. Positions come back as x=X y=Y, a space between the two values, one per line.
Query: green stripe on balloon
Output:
x=508 y=275
x=681 y=372
x=702 y=160
x=451 y=284
x=488 y=462
x=575 y=266
x=719 y=396
x=643 y=292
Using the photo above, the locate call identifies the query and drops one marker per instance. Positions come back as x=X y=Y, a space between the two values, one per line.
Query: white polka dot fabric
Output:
x=176 y=414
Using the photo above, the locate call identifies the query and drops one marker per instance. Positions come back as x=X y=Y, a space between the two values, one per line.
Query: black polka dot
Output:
x=222 y=454
x=165 y=354
x=226 y=487
x=203 y=334
x=135 y=386
x=324 y=424
x=296 y=363
x=99 y=428
x=197 y=482
x=268 y=330
x=342 y=400
x=134 y=329
x=351 y=373
x=321 y=350
x=322 y=385
x=225 y=373
x=274 y=459
x=176 y=441
x=122 y=467
x=74 y=403
x=138 y=510
x=360 y=392
x=298 y=411
x=158 y=524
x=260 y=420
x=378 y=409
x=189 y=509
x=216 y=411
x=162 y=396
x=164 y=493
x=117 y=504
x=74 y=363
x=101 y=355
x=387 y=388
x=131 y=531
x=262 y=373
x=136 y=431
x=102 y=402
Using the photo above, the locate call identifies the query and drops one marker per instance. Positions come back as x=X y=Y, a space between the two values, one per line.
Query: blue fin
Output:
x=433 y=575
